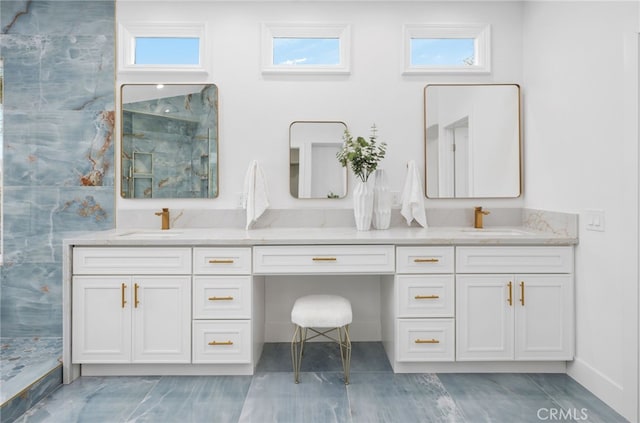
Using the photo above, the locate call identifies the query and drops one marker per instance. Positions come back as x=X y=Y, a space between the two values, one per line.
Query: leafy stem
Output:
x=361 y=155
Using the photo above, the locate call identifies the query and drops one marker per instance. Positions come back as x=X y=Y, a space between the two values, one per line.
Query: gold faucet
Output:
x=165 y=218
x=477 y=221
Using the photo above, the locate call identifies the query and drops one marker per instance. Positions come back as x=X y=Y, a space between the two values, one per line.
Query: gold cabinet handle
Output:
x=122 y=288
x=324 y=259
x=221 y=261
x=135 y=295
x=426 y=260
x=229 y=298
x=522 y=293
x=221 y=343
x=427 y=341
x=510 y=299
x=427 y=297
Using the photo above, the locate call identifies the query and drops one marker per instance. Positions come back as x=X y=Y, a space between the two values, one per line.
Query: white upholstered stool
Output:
x=321 y=311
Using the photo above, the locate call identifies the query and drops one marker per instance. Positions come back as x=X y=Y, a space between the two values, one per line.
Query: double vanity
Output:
x=194 y=301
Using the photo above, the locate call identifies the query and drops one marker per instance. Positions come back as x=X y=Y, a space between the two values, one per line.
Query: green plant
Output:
x=361 y=155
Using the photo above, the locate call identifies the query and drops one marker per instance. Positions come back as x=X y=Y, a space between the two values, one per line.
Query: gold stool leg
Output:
x=345 y=351
x=297 y=348
x=294 y=354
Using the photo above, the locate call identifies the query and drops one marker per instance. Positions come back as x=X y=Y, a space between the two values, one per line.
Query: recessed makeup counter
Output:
x=186 y=300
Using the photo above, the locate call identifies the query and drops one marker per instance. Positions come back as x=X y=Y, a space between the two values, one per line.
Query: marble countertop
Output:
x=315 y=235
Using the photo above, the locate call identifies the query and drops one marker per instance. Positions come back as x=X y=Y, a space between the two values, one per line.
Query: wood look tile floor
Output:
x=375 y=394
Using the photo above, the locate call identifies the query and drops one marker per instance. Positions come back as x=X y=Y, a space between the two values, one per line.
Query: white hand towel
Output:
x=256 y=195
x=412 y=197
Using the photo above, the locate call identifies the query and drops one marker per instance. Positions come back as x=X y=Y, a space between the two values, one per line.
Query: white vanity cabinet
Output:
x=424 y=309
x=222 y=305
x=131 y=305
x=514 y=303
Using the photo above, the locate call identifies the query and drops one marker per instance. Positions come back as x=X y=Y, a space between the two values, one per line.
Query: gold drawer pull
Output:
x=324 y=259
x=221 y=261
x=426 y=260
x=427 y=297
x=135 y=295
x=221 y=343
x=427 y=341
x=122 y=288
x=229 y=298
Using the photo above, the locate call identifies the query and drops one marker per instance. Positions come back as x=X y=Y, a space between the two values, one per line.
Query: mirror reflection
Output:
x=314 y=170
x=472 y=141
x=169 y=141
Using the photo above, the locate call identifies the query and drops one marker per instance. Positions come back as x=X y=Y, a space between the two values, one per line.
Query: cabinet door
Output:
x=484 y=317
x=544 y=317
x=161 y=319
x=101 y=321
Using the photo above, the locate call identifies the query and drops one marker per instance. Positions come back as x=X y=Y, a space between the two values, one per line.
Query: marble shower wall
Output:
x=58 y=148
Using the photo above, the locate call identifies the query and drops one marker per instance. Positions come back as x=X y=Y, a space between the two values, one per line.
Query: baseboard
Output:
x=597 y=383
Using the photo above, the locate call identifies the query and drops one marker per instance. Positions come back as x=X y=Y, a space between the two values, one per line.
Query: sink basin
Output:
x=494 y=232
x=150 y=234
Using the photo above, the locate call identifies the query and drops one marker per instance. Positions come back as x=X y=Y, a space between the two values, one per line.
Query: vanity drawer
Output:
x=224 y=341
x=424 y=259
x=426 y=340
x=131 y=260
x=222 y=261
x=323 y=259
x=514 y=259
x=222 y=297
x=425 y=295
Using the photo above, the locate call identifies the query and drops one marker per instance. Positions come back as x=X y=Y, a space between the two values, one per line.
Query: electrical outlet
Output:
x=240 y=200
x=395 y=198
x=594 y=220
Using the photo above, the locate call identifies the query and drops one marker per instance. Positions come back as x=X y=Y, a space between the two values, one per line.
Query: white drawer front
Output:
x=426 y=340
x=222 y=297
x=131 y=260
x=424 y=259
x=335 y=259
x=425 y=295
x=225 y=341
x=222 y=261
x=514 y=259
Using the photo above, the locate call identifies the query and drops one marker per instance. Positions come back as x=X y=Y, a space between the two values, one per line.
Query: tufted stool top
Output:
x=321 y=311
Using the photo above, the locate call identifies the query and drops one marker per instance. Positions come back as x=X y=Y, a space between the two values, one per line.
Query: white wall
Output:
x=256 y=110
x=581 y=152
x=579 y=79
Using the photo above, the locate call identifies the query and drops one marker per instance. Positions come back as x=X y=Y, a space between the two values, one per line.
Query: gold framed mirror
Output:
x=169 y=141
x=472 y=141
x=314 y=170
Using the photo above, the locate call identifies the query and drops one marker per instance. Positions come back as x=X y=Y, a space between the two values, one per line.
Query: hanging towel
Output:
x=412 y=197
x=256 y=196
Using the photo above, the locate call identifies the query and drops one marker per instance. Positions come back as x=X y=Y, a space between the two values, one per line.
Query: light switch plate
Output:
x=594 y=220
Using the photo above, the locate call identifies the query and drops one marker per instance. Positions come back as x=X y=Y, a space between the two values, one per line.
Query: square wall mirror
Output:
x=169 y=141
x=314 y=170
x=472 y=141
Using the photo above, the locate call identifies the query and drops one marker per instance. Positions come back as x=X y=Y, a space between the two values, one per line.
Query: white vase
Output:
x=363 y=205
x=381 y=200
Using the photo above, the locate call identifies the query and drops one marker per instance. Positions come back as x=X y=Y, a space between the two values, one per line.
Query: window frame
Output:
x=306 y=30
x=129 y=31
x=479 y=32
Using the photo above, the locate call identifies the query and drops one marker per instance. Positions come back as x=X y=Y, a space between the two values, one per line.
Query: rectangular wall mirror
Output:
x=314 y=170
x=169 y=141
x=472 y=141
